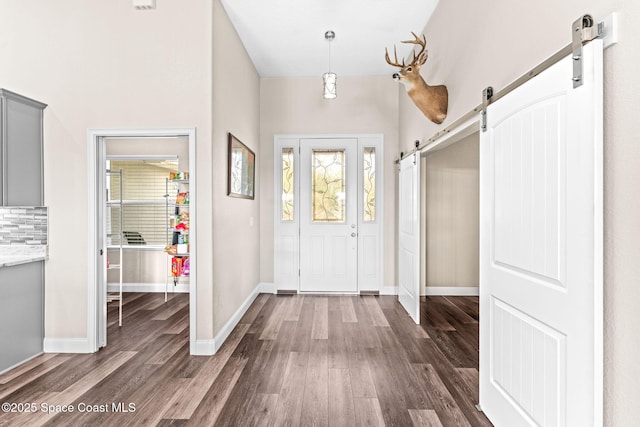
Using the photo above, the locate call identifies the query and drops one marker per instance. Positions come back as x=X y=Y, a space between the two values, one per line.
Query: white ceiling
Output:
x=285 y=38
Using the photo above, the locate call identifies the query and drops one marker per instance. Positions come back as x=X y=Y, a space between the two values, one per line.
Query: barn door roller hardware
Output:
x=487 y=94
x=584 y=30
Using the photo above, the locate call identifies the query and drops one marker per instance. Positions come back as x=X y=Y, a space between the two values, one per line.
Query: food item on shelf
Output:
x=180 y=199
x=186 y=266
x=176 y=266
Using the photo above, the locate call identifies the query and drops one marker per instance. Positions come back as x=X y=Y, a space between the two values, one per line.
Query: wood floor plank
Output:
x=341 y=409
x=424 y=418
x=253 y=311
x=289 y=406
x=294 y=309
x=271 y=380
x=445 y=406
x=27 y=366
x=338 y=348
x=315 y=402
x=361 y=380
x=377 y=316
x=180 y=326
x=74 y=391
x=320 y=327
x=22 y=379
x=161 y=356
x=170 y=310
x=272 y=327
x=264 y=407
x=302 y=337
x=213 y=402
x=347 y=310
x=185 y=403
x=368 y=412
x=149 y=406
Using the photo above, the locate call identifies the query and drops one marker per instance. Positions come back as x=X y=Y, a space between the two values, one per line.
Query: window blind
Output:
x=143 y=203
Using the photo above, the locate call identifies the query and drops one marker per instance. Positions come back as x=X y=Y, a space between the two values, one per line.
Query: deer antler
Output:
x=417 y=59
x=395 y=54
x=423 y=43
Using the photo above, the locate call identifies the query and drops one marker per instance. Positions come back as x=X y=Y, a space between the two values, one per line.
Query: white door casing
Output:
x=541 y=250
x=409 y=236
x=96 y=277
x=326 y=261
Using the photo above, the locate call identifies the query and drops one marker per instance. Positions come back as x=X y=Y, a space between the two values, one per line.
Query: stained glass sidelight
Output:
x=328 y=185
x=369 y=182
x=287 y=184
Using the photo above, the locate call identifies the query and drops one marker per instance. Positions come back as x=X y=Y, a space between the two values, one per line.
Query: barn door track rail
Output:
x=583 y=30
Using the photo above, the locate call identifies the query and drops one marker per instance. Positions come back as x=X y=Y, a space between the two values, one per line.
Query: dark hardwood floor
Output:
x=292 y=360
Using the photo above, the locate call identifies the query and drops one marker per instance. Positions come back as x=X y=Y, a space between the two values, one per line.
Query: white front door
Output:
x=541 y=250
x=409 y=236
x=328 y=221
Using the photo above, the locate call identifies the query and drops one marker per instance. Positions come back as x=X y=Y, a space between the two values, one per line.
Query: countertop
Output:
x=21 y=254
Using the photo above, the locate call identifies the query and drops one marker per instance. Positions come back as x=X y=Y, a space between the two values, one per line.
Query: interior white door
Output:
x=541 y=250
x=328 y=221
x=409 y=236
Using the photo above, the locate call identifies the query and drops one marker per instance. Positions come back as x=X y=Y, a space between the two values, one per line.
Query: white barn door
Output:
x=541 y=250
x=409 y=238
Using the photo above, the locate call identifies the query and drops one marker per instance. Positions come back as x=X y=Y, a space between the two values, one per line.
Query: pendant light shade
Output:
x=329 y=79
x=329 y=85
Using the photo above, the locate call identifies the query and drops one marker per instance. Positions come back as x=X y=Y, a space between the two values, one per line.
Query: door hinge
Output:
x=582 y=30
x=487 y=94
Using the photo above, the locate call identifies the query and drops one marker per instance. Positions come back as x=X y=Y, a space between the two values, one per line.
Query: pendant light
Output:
x=329 y=79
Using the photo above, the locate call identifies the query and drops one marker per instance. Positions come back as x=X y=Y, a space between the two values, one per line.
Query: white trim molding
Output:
x=67 y=345
x=180 y=288
x=226 y=330
x=389 y=290
x=96 y=291
x=452 y=291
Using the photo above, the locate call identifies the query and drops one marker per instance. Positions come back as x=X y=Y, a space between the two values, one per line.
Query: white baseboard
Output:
x=66 y=345
x=204 y=348
x=266 y=288
x=226 y=330
x=452 y=291
x=181 y=288
x=19 y=363
x=389 y=290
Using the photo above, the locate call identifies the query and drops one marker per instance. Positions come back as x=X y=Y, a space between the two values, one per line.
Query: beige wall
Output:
x=236 y=223
x=295 y=106
x=451 y=205
x=102 y=64
x=490 y=43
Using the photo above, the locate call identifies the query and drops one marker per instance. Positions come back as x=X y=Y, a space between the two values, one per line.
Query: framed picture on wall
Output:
x=241 y=177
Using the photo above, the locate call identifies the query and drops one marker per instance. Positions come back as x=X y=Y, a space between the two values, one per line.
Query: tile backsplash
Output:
x=23 y=225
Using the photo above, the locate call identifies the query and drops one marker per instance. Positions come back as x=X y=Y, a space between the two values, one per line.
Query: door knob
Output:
x=353 y=234
x=353 y=226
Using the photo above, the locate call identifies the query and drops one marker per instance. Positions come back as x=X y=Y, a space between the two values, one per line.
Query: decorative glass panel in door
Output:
x=328 y=186
x=369 y=184
x=287 y=184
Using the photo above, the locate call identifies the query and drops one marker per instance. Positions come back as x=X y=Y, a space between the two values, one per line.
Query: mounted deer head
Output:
x=431 y=100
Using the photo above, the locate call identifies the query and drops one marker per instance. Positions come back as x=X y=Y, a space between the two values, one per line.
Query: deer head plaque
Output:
x=431 y=100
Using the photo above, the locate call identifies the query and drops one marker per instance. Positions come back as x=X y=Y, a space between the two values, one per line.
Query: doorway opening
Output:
x=142 y=222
